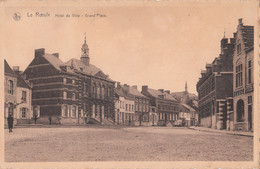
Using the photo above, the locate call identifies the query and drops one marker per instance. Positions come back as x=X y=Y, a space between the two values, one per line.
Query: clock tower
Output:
x=85 y=53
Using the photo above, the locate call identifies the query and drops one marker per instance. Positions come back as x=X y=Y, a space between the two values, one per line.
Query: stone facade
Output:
x=243 y=79
x=10 y=90
x=124 y=106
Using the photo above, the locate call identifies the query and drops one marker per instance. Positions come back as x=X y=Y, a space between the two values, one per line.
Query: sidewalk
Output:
x=240 y=133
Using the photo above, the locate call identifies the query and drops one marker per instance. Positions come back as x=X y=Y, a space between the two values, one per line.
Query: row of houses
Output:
x=77 y=92
x=225 y=88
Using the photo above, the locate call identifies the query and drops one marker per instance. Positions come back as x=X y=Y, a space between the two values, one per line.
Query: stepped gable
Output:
x=248 y=36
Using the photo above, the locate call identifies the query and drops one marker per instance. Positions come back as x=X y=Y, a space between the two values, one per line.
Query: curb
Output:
x=238 y=134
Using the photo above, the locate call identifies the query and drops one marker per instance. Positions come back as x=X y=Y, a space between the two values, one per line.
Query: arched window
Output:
x=11 y=87
x=94 y=90
x=103 y=92
x=98 y=91
x=240 y=110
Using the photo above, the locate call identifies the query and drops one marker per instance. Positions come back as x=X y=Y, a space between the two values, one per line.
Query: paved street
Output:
x=124 y=144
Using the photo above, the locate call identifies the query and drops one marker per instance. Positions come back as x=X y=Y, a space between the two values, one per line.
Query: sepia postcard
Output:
x=129 y=84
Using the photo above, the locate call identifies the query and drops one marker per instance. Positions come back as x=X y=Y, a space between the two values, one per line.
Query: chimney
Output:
x=240 y=21
x=168 y=91
x=56 y=54
x=39 y=52
x=161 y=90
x=135 y=87
x=16 y=68
x=144 y=88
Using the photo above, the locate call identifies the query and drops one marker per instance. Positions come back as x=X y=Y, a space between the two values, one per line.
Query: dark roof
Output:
x=133 y=91
x=21 y=82
x=120 y=92
x=8 y=70
x=248 y=36
x=181 y=94
x=157 y=93
x=55 y=61
x=187 y=107
x=90 y=69
x=75 y=64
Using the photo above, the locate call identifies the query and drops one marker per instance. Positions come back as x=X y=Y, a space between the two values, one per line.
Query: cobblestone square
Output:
x=124 y=144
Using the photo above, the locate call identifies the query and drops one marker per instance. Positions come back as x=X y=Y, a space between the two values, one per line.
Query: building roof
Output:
x=157 y=93
x=21 y=82
x=8 y=69
x=120 y=92
x=90 y=69
x=55 y=61
x=248 y=36
x=180 y=94
x=188 y=107
x=133 y=91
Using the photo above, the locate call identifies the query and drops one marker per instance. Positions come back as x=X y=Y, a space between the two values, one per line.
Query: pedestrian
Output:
x=35 y=118
x=10 y=120
x=50 y=120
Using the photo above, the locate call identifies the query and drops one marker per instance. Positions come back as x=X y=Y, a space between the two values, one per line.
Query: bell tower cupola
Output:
x=85 y=52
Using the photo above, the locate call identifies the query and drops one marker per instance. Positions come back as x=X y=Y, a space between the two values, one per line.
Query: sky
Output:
x=161 y=45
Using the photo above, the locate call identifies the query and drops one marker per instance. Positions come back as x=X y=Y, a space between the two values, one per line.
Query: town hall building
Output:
x=69 y=92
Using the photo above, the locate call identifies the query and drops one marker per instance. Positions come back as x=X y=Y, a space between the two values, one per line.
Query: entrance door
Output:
x=153 y=119
x=250 y=117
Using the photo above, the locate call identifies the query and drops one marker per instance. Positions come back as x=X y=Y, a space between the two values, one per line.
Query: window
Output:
x=250 y=101
x=73 y=96
x=129 y=107
x=125 y=106
x=65 y=110
x=240 y=110
x=10 y=87
x=239 y=75
x=249 y=72
x=103 y=92
x=23 y=112
x=73 y=81
x=98 y=91
x=74 y=111
x=239 y=48
x=64 y=95
x=23 y=96
x=85 y=88
x=132 y=107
